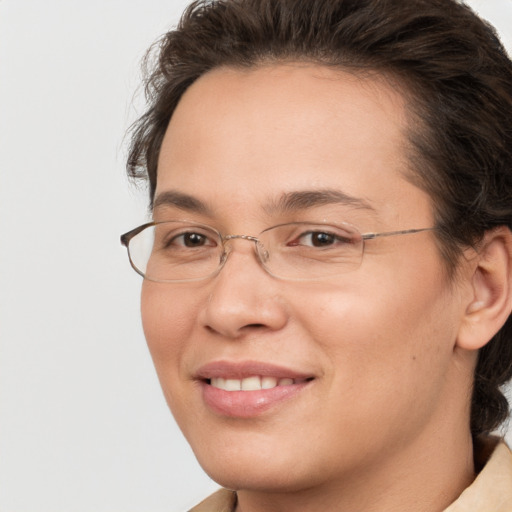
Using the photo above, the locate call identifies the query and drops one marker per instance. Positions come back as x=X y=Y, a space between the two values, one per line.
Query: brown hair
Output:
x=446 y=58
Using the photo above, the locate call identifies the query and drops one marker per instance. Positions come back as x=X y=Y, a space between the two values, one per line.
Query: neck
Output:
x=421 y=476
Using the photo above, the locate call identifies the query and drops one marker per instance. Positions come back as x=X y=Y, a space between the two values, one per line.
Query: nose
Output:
x=243 y=297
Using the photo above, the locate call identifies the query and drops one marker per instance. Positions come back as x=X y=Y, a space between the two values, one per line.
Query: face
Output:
x=363 y=361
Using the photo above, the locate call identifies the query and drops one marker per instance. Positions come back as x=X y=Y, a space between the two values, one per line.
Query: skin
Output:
x=388 y=407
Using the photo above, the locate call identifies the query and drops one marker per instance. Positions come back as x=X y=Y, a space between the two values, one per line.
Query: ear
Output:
x=490 y=303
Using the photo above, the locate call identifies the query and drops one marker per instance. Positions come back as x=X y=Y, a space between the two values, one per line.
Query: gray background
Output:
x=83 y=425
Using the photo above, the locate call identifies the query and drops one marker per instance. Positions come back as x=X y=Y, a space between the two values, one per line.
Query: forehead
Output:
x=239 y=136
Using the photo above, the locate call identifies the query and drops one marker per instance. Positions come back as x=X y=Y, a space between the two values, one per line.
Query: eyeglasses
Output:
x=178 y=251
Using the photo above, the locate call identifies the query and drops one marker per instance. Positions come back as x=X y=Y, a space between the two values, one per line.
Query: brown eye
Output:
x=193 y=239
x=189 y=240
x=321 y=239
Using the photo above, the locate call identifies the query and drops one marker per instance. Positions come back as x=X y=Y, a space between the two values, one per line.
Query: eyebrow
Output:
x=306 y=199
x=181 y=201
x=289 y=202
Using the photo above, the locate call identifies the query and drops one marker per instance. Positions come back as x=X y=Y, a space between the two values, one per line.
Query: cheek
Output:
x=393 y=338
x=167 y=319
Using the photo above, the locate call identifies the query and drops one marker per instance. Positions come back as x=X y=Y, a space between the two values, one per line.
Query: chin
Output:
x=269 y=467
x=238 y=476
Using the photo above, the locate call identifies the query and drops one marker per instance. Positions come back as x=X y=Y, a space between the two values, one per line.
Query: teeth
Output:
x=253 y=383
x=218 y=382
x=232 y=385
x=268 y=382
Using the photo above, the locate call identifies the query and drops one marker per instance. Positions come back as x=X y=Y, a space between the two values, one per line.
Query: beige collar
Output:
x=492 y=489
x=220 y=501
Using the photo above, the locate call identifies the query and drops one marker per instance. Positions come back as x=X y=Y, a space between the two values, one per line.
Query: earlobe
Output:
x=491 y=281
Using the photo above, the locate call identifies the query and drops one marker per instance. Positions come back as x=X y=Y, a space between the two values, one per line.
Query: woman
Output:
x=328 y=273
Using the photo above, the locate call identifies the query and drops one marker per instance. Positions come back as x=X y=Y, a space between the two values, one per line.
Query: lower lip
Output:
x=248 y=404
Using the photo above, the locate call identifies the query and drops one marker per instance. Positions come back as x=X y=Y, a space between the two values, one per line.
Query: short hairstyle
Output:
x=454 y=74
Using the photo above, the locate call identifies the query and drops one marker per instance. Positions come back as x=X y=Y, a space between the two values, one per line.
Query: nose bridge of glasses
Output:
x=259 y=248
x=243 y=237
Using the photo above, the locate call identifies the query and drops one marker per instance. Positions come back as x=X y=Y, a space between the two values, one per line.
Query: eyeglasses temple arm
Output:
x=371 y=236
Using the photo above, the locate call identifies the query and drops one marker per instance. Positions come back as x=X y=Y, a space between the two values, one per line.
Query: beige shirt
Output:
x=491 y=491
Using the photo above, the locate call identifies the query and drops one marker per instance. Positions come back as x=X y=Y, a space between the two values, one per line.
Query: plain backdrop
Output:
x=83 y=424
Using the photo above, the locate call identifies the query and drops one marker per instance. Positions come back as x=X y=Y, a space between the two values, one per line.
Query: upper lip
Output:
x=243 y=369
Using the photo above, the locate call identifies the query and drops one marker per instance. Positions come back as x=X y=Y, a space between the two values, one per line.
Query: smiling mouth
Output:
x=247 y=389
x=253 y=383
